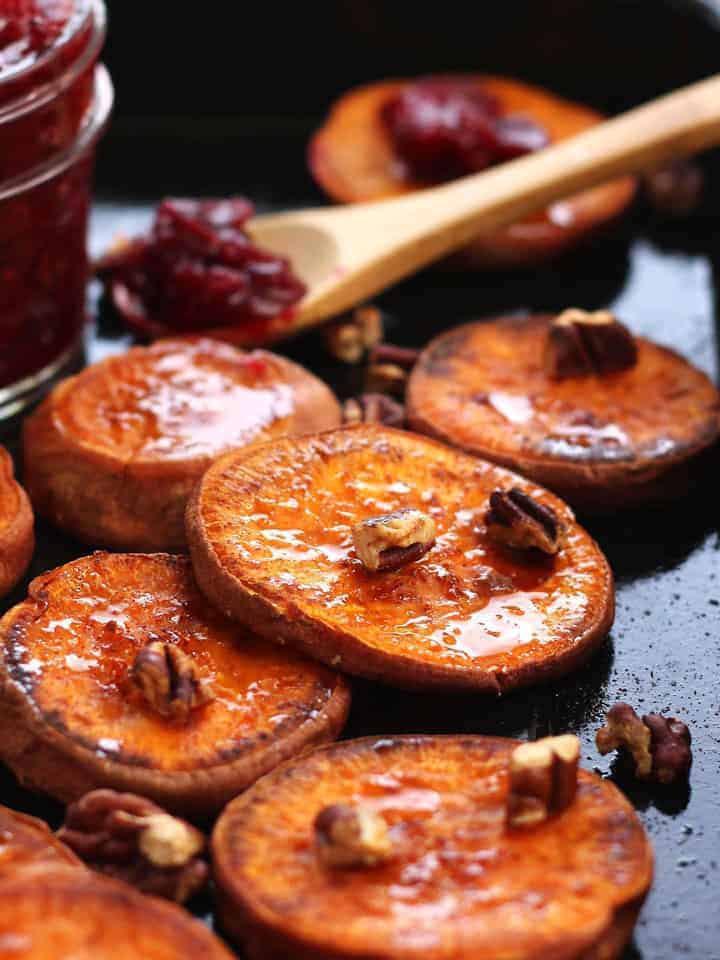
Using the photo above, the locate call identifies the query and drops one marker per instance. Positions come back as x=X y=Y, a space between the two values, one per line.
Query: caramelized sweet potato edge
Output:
x=17 y=537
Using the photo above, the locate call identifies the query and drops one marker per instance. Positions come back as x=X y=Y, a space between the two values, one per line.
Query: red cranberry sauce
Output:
x=197 y=270
x=28 y=28
x=446 y=127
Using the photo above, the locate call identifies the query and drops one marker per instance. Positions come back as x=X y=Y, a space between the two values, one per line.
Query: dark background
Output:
x=254 y=78
x=220 y=97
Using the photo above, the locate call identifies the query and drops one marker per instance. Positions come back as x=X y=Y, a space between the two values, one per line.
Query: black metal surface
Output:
x=664 y=651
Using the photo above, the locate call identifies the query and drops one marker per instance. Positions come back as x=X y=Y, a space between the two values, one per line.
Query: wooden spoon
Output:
x=348 y=253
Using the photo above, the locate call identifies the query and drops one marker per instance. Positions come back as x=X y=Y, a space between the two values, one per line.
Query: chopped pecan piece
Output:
x=404 y=357
x=374 y=408
x=385 y=378
x=351 y=836
x=349 y=338
x=516 y=520
x=543 y=779
x=393 y=539
x=675 y=190
x=581 y=344
x=659 y=746
x=169 y=681
x=133 y=839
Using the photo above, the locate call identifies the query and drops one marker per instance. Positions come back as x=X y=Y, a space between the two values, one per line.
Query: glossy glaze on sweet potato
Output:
x=269 y=531
x=352 y=158
x=599 y=441
x=71 y=720
x=77 y=915
x=17 y=539
x=112 y=453
x=26 y=841
x=460 y=883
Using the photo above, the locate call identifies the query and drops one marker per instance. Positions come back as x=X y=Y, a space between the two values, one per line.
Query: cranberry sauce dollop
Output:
x=446 y=127
x=197 y=270
x=28 y=28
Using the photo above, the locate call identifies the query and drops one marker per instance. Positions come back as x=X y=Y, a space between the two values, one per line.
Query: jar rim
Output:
x=93 y=12
x=92 y=126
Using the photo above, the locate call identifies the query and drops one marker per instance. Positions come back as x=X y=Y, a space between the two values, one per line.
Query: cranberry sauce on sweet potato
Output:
x=354 y=156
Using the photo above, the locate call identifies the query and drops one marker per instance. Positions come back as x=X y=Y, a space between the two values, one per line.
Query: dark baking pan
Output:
x=210 y=130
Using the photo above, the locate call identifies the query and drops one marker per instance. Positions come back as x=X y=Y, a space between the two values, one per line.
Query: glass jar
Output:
x=52 y=112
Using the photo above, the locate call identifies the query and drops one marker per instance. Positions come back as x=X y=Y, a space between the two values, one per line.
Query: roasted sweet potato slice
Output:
x=27 y=841
x=270 y=537
x=458 y=883
x=17 y=540
x=599 y=441
x=112 y=454
x=48 y=914
x=73 y=715
x=352 y=158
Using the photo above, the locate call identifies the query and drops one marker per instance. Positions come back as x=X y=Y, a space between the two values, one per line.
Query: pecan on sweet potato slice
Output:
x=459 y=880
x=50 y=913
x=271 y=538
x=93 y=695
x=29 y=842
x=352 y=157
x=112 y=454
x=601 y=438
x=17 y=539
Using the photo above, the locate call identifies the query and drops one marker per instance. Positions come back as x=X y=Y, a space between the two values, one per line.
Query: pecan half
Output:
x=659 y=746
x=351 y=836
x=543 y=779
x=581 y=344
x=169 y=681
x=374 y=408
x=133 y=839
x=516 y=520
x=386 y=378
x=349 y=338
x=675 y=190
x=390 y=541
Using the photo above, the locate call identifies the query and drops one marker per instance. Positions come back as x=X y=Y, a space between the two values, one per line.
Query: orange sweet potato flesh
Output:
x=29 y=842
x=352 y=158
x=17 y=539
x=269 y=534
x=600 y=442
x=460 y=883
x=70 y=720
x=50 y=914
x=112 y=454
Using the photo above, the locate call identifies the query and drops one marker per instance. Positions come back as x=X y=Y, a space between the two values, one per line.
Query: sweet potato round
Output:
x=352 y=158
x=71 y=721
x=17 y=539
x=29 y=842
x=460 y=883
x=600 y=442
x=74 y=913
x=112 y=454
x=269 y=536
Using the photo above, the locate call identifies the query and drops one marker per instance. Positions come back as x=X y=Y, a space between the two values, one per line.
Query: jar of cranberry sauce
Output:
x=54 y=103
